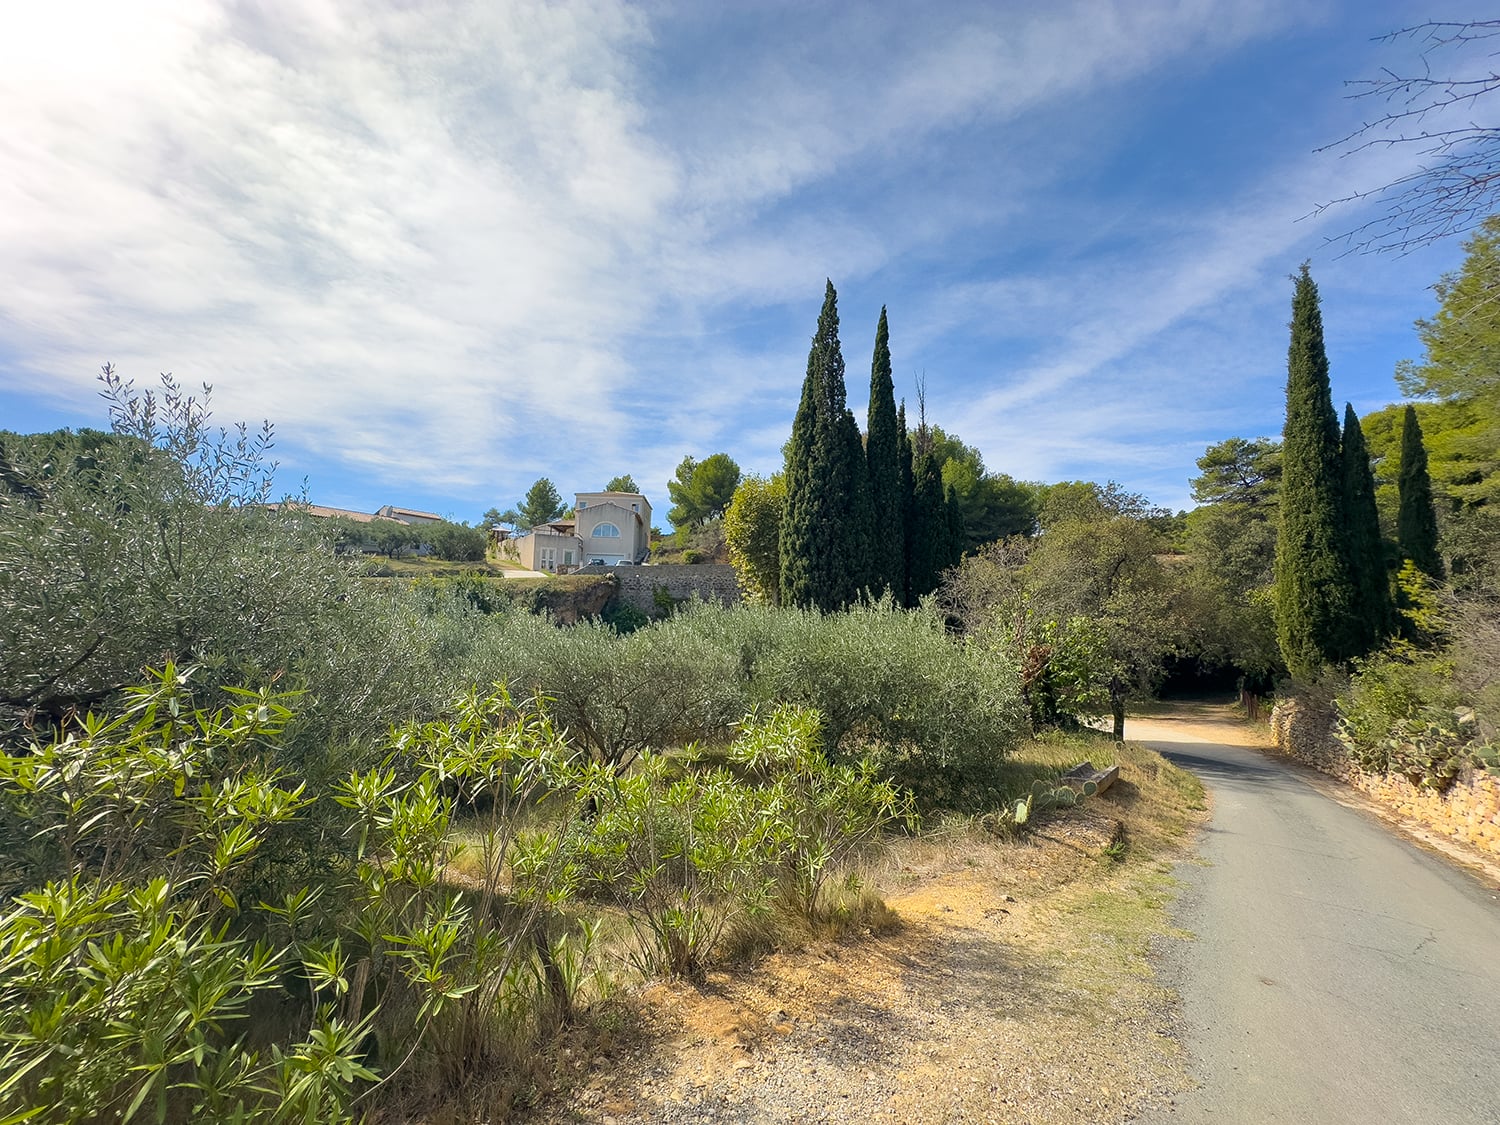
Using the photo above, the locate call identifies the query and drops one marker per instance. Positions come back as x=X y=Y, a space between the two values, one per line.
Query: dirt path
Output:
x=1016 y=988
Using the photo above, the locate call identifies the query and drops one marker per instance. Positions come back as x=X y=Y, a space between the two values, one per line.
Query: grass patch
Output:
x=428 y=566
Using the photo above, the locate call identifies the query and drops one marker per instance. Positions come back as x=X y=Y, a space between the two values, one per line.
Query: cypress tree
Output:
x=954 y=542
x=1314 y=591
x=929 y=526
x=883 y=460
x=826 y=531
x=1416 y=524
x=1370 y=621
x=846 y=485
x=797 y=528
x=908 y=505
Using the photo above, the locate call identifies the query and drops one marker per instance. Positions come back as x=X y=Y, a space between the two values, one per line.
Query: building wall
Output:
x=632 y=515
x=632 y=542
x=529 y=549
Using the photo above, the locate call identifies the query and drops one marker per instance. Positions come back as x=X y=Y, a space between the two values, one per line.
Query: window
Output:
x=567 y=558
x=582 y=504
x=606 y=531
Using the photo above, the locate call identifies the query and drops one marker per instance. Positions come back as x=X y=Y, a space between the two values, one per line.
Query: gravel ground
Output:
x=1017 y=988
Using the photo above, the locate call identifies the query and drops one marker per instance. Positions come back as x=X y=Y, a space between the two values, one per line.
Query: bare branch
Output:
x=1458 y=184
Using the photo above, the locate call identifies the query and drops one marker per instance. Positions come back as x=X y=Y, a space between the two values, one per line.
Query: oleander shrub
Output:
x=688 y=852
x=684 y=857
x=126 y=974
x=823 y=813
x=135 y=936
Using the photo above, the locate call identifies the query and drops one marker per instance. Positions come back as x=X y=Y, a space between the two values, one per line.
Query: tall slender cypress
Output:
x=1416 y=523
x=1314 y=590
x=953 y=553
x=1370 y=619
x=929 y=526
x=826 y=528
x=797 y=527
x=908 y=505
x=883 y=460
x=846 y=486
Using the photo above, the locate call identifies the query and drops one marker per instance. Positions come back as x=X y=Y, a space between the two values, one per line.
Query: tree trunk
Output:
x=1117 y=706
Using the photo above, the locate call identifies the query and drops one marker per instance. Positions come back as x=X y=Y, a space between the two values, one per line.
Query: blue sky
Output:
x=447 y=248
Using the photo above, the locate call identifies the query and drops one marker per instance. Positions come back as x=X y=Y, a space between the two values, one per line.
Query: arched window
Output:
x=606 y=531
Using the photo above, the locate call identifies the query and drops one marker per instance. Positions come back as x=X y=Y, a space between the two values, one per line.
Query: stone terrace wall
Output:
x=1468 y=811
x=1303 y=728
x=711 y=582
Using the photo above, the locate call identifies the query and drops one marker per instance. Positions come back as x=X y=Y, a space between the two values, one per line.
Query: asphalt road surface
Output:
x=1340 y=972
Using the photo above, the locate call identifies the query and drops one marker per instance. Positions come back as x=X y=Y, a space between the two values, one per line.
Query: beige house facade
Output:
x=550 y=547
x=607 y=528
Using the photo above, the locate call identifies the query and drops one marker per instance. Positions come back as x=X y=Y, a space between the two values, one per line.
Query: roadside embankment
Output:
x=1466 y=811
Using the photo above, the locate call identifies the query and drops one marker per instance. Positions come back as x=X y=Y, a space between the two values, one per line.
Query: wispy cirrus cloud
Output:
x=447 y=246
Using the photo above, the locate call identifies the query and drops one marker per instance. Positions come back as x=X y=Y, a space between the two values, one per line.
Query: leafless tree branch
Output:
x=1458 y=184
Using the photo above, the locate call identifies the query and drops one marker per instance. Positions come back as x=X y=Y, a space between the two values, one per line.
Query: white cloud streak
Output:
x=414 y=235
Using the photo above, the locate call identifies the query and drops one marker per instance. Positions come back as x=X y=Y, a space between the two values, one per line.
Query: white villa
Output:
x=607 y=528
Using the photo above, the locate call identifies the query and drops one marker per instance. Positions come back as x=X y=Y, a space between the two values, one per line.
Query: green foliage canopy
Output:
x=543 y=503
x=827 y=532
x=882 y=455
x=752 y=533
x=1370 y=617
x=702 y=490
x=1240 y=471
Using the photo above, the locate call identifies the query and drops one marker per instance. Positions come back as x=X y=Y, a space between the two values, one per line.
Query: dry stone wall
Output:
x=1467 y=811
x=638 y=585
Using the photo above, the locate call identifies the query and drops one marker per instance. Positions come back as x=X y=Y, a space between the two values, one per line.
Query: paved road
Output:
x=1340 y=972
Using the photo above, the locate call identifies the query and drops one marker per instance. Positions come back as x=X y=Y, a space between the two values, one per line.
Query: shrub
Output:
x=936 y=714
x=1402 y=715
x=623 y=617
x=455 y=542
x=126 y=956
x=683 y=858
x=466 y=978
x=616 y=695
x=136 y=947
x=823 y=813
x=150 y=544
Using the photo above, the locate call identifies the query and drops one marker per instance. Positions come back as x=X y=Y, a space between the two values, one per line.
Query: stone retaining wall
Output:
x=638 y=585
x=1468 y=811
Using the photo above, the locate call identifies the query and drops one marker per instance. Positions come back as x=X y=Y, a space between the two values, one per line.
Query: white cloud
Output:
x=415 y=234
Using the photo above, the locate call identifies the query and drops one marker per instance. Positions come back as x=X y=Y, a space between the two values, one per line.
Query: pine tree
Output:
x=1370 y=619
x=883 y=459
x=827 y=537
x=1416 y=523
x=1314 y=590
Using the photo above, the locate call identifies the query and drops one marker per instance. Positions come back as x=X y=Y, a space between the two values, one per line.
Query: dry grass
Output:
x=1035 y=949
x=429 y=566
